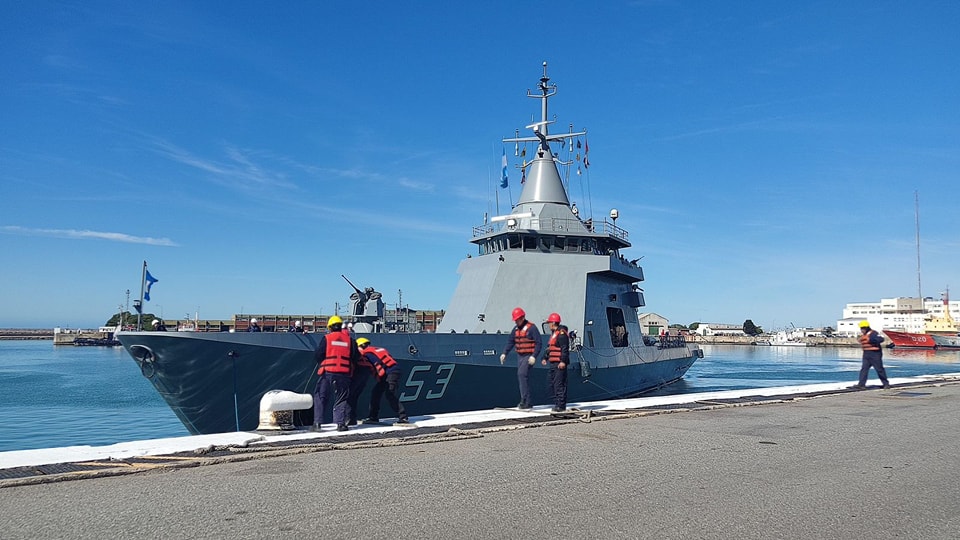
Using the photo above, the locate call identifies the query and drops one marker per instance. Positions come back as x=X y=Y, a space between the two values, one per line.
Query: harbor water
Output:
x=67 y=396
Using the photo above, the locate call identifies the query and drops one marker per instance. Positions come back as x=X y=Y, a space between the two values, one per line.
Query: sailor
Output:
x=870 y=342
x=558 y=356
x=526 y=339
x=158 y=326
x=296 y=328
x=388 y=381
x=364 y=369
x=254 y=327
x=336 y=357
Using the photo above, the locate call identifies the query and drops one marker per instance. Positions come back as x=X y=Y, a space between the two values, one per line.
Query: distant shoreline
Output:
x=26 y=334
x=47 y=334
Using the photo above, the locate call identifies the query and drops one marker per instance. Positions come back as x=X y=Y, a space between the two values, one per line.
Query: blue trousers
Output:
x=557 y=381
x=523 y=378
x=872 y=359
x=357 y=383
x=337 y=386
x=387 y=386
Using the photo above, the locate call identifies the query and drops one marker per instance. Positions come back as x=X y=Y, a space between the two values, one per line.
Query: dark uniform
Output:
x=526 y=339
x=358 y=382
x=336 y=357
x=388 y=381
x=558 y=356
x=870 y=341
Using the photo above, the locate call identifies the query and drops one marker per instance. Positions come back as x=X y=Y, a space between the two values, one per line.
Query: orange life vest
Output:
x=865 y=341
x=524 y=345
x=386 y=361
x=337 y=357
x=553 y=350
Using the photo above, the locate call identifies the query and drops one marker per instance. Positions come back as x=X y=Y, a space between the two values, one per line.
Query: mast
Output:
x=543 y=183
x=916 y=213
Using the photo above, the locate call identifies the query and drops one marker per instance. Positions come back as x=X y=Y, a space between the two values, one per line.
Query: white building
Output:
x=652 y=324
x=718 y=329
x=903 y=314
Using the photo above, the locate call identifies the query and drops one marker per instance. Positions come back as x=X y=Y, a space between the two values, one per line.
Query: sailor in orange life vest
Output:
x=387 y=372
x=870 y=341
x=526 y=339
x=558 y=356
x=362 y=372
x=336 y=357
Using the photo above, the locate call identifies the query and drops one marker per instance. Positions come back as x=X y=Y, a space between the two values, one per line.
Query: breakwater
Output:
x=26 y=333
x=767 y=340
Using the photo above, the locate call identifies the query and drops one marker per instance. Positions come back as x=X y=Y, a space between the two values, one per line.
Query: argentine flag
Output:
x=503 y=180
x=150 y=281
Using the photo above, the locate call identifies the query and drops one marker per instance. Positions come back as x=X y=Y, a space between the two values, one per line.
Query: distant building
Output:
x=718 y=329
x=903 y=314
x=652 y=324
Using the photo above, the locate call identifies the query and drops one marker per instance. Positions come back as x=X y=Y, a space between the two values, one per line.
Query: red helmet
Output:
x=554 y=317
x=518 y=313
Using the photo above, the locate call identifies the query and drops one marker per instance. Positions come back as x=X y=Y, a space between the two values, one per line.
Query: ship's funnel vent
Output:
x=543 y=183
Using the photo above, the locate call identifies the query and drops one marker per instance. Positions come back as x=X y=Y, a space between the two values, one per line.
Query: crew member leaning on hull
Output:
x=388 y=382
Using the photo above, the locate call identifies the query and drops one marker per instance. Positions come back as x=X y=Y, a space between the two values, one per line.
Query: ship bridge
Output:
x=546 y=257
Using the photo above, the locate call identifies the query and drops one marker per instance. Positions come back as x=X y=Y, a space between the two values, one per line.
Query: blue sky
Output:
x=763 y=155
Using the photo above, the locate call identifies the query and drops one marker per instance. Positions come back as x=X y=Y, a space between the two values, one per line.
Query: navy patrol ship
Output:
x=541 y=256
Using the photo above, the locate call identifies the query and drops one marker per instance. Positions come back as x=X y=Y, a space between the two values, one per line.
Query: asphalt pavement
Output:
x=875 y=463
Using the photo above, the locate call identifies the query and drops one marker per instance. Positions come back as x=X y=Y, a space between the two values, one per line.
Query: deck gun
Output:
x=365 y=305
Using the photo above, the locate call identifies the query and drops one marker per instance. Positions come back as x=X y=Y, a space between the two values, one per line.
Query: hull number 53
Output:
x=424 y=378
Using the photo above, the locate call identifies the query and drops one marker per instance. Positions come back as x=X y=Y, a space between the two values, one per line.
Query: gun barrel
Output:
x=351 y=283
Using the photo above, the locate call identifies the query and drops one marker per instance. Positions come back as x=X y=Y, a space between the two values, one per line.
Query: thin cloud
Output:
x=416 y=186
x=239 y=167
x=74 y=234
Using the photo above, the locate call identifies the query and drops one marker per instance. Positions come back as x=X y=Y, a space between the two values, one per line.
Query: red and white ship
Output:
x=939 y=332
x=910 y=340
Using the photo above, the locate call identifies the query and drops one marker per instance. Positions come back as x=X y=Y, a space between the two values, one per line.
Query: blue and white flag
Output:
x=503 y=180
x=150 y=281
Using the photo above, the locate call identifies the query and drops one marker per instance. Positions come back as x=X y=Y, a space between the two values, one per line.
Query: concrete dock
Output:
x=875 y=463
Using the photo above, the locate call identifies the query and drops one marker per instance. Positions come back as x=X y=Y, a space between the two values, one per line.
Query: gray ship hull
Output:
x=213 y=382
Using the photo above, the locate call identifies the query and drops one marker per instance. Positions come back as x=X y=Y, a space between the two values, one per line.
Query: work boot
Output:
x=858 y=387
x=402 y=421
x=524 y=407
x=342 y=427
x=315 y=428
x=370 y=420
x=886 y=386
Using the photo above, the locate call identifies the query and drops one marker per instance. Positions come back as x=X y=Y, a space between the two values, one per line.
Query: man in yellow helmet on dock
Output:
x=870 y=342
x=336 y=356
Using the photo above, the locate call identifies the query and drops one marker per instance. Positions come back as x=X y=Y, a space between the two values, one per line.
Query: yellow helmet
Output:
x=362 y=341
x=864 y=324
x=334 y=320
